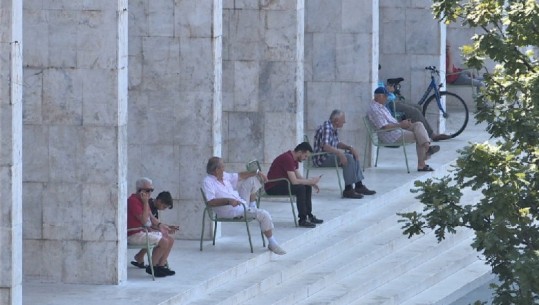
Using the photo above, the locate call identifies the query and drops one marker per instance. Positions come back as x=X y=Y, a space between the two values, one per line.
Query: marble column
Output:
x=341 y=45
x=175 y=111
x=11 y=152
x=75 y=141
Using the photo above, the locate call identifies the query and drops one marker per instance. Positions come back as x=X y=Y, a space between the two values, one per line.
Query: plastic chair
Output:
x=254 y=165
x=213 y=217
x=148 y=246
x=372 y=136
x=309 y=164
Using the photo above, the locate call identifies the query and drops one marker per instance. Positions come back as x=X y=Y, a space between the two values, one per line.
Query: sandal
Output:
x=137 y=264
x=426 y=168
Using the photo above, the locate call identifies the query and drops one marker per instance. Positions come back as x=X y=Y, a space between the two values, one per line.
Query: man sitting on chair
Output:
x=286 y=166
x=412 y=132
x=327 y=140
x=138 y=215
x=162 y=202
x=226 y=191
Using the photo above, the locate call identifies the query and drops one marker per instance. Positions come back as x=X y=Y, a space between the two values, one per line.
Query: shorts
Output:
x=139 y=238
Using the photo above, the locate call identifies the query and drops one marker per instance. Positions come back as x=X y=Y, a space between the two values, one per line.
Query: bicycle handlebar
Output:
x=432 y=69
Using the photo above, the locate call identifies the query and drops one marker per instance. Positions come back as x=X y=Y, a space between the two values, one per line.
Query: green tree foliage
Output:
x=506 y=217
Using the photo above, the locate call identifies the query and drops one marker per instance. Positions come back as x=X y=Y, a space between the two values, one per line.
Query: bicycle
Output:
x=453 y=114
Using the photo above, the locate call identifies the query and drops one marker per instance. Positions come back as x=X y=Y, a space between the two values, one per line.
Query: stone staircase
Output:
x=360 y=257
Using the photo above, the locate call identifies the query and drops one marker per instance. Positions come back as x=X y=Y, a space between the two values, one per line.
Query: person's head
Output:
x=337 y=118
x=302 y=151
x=163 y=201
x=215 y=167
x=144 y=185
x=380 y=95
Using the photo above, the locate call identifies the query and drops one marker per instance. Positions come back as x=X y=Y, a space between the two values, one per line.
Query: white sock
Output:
x=272 y=241
x=252 y=204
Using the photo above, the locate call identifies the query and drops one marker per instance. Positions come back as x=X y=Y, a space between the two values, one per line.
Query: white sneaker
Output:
x=276 y=249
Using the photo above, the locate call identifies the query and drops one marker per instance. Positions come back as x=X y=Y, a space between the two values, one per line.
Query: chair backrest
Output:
x=371 y=131
x=208 y=207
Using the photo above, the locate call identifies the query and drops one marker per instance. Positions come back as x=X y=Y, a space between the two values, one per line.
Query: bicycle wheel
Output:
x=455 y=118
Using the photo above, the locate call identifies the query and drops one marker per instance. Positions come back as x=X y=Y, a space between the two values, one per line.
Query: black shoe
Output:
x=364 y=190
x=306 y=224
x=351 y=194
x=167 y=271
x=315 y=220
x=433 y=149
x=137 y=264
x=157 y=271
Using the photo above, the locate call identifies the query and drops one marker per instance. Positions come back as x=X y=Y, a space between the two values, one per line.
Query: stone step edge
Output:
x=263 y=258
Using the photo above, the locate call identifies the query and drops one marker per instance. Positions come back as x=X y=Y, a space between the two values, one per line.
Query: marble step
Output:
x=324 y=244
x=368 y=269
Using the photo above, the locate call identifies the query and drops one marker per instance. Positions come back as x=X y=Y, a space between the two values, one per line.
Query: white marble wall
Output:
x=340 y=37
x=242 y=79
x=262 y=79
x=174 y=100
x=10 y=152
x=75 y=151
x=410 y=40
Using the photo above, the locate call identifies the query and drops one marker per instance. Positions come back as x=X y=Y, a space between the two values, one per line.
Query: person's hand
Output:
x=405 y=123
x=234 y=202
x=145 y=197
x=316 y=188
x=263 y=177
x=173 y=229
x=342 y=158
x=354 y=153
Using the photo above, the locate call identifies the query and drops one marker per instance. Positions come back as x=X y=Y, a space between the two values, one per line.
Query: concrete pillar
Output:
x=341 y=46
x=410 y=40
x=75 y=149
x=10 y=152
x=175 y=101
x=262 y=79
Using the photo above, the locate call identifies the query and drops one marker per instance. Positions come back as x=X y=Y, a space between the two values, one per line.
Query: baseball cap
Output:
x=381 y=90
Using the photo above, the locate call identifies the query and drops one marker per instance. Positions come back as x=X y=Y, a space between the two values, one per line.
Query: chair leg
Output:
x=150 y=261
x=249 y=234
x=377 y=151
x=214 y=231
x=293 y=211
x=406 y=158
x=263 y=239
x=203 y=224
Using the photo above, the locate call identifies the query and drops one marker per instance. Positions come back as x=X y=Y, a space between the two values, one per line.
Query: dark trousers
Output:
x=302 y=193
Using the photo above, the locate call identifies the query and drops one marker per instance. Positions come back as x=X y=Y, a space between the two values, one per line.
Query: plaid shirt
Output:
x=380 y=117
x=326 y=134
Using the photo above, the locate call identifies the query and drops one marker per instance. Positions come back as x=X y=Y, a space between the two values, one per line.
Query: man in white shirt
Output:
x=381 y=118
x=226 y=191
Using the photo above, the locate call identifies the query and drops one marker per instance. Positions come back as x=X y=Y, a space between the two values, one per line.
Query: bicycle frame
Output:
x=433 y=86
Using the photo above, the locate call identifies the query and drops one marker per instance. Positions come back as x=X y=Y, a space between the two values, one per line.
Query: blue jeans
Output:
x=351 y=171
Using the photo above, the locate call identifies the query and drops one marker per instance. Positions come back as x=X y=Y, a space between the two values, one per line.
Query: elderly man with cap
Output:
x=381 y=118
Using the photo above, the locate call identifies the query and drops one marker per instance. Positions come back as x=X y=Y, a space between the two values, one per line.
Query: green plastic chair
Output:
x=253 y=166
x=372 y=136
x=309 y=164
x=208 y=210
x=148 y=246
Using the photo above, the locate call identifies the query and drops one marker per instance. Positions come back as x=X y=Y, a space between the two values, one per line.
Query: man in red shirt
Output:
x=139 y=215
x=286 y=166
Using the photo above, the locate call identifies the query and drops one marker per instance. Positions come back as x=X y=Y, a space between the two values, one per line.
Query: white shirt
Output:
x=213 y=189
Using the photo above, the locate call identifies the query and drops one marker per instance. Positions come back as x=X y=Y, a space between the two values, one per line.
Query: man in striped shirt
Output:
x=327 y=140
x=381 y=118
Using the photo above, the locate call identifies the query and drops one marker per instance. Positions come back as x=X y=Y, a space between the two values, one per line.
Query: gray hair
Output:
x=335 y=114
x=213 y=165
x=141 y=182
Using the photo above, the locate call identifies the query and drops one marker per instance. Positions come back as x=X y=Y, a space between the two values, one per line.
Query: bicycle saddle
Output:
x=394 y=81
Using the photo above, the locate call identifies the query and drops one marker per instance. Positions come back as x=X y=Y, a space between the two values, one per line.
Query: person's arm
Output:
x=143 y=217
x=223 y=201
x=295 y=178
x=247 y=174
